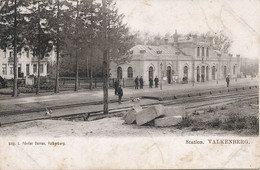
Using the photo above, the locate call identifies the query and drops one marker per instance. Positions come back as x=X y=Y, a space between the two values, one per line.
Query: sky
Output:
x=238 y=19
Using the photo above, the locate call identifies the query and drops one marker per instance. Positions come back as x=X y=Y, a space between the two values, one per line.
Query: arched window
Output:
x=207 y=51
x=202 y=51
x=130 y=72
x=185 y=71
x=119 y=72
x=198 y=51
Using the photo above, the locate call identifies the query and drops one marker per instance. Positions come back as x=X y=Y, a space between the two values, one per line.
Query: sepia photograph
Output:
x=129 y=84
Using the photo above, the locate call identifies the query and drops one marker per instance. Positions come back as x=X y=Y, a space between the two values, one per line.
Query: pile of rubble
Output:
x=156 y=115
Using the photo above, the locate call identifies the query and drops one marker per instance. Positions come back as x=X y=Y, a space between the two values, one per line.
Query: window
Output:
x=4 y=54
x=198 y=51
x=10 y=54
x=234 y=69
x=11 y=69
x=27 y=69
x=207 y=51
x=4 y=69
x=27 y=54
x=185 y=71
x=119 y=72
x=34 y=68
x=41 y=68
x=130 y=72
x=202 y=51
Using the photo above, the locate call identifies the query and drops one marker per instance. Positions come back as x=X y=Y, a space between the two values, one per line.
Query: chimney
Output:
x=175 y=37
x=166 y=41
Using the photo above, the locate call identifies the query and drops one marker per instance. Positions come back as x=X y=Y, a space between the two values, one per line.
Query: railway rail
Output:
x=194 y=102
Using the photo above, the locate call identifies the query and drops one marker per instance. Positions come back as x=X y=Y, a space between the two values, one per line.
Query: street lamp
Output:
x=161 y=76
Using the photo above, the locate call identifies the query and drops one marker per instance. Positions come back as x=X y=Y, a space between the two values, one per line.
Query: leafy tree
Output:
x=39 y=34
x=12 y=30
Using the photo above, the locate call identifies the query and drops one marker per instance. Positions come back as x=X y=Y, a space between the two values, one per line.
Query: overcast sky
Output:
x=239 y=19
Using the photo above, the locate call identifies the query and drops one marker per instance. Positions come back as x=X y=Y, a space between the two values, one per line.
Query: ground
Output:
x=114 y=126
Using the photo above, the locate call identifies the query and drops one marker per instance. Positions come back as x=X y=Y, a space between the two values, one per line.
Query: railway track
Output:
x=196 y=102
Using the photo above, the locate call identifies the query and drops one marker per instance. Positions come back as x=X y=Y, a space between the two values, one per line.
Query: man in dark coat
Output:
x=227 y=80
x=136 y=82
x=150 y=82
x=156 y=81
x=116 y=86
x=141 y=82
x=120 y=94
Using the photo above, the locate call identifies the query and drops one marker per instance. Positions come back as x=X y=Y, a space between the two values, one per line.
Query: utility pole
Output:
x=58 y=50
x=161 y=76
x=15 y=50
x=91 y=47
x=105 y=58
x=77 y=63
x=193 y=70
x=219 y=55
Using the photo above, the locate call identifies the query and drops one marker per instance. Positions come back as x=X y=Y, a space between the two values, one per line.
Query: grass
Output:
x=247 y=124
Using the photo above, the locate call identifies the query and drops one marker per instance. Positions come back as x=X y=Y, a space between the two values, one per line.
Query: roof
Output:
x=155 y=50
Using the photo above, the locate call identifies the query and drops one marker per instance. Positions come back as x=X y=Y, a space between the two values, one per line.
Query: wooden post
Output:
x=105 y=59
x=15 y=51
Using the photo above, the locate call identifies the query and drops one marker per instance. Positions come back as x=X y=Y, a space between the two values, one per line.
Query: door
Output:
x=169 y=73
x=203 y=73
x=213 y=73
x=207 y=73
x=150 y=73
x=225 y=71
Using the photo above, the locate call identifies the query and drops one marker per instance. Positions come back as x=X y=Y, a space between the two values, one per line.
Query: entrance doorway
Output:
x=213 y=72
x=198 y=74
x=185 y=74
x=225 y=71
x=150 y=73
x=203 y=73
x=207 y=73
x=169 y=73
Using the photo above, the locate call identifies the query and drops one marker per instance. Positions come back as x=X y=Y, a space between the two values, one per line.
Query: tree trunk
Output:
x=77 y=73
x=57 y=90
x=39 y=53
x=15 y=51
x=105 y=60
x=38 y=77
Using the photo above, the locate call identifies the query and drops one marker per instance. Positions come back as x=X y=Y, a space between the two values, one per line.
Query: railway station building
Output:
x=178 y=60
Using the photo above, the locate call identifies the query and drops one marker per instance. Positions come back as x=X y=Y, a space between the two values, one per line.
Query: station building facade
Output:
x=179 y=60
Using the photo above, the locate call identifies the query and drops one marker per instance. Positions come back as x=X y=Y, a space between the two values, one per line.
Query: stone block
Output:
x=174 y=111
x=149 y=114
x=167 y=121
x=130 y=117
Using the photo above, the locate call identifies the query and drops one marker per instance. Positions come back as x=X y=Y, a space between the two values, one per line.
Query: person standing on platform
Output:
x=136 y=82
x=141 y=82
x=156 y=81
x=116 y=85
x=227 y=80
x=120 y=94
x=150 y=82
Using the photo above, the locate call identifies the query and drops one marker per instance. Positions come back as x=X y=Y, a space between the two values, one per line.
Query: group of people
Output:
x=137 y=80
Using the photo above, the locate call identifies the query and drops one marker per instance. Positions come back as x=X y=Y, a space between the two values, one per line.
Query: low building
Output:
x=179 y=60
